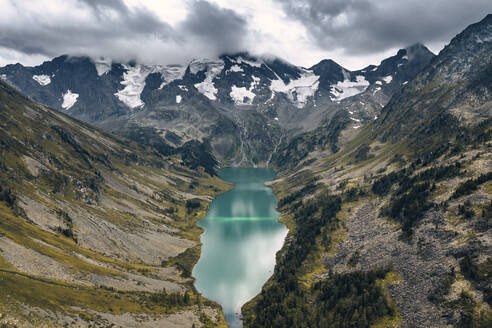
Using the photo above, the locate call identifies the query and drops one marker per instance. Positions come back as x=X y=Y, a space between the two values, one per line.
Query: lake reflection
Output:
x=240 y=240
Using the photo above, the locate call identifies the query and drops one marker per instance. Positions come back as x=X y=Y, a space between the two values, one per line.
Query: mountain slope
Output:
x=457 y=84
x=394 y=229
x=93 y=228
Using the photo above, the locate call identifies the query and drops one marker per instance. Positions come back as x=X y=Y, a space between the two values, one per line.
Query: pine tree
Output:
x=186 y=298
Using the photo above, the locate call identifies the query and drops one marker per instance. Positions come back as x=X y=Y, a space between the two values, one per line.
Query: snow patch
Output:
x=354 y=119
x=212 y=68
x=69 y=99
x=255 y=83
x=3 y=77
x=42 y=79
x=103 y=65
x=376 y=90
x=235 y=68
x=298 y=91
x=405 y=82
x=378 y=83
x=346 y=88
x=243 y=96
x=276 y=118
x=357 y=126
x=387 y=79
x=134 y=82
x=405 y=57
x=178 y=99
x=183 y=87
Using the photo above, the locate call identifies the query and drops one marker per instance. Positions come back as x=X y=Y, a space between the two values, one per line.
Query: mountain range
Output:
x=244 y=105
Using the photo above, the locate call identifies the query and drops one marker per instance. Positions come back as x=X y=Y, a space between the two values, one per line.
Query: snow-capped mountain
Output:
x=235 y=99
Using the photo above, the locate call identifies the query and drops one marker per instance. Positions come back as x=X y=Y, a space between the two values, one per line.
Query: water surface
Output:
x=240 y=240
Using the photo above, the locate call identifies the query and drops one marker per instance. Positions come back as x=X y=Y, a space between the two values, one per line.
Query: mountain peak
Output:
x=326 y=63
x=458 y=78
x=415 y=50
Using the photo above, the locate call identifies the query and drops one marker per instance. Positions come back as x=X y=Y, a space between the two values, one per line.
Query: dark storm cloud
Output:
x=368 y=26
x=222 y=27
x=111 y=28
x=110 y=20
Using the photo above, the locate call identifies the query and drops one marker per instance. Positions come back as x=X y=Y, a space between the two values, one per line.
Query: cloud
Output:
x=218 y=27
x=114 y=29
x=355 y=33
x=367 y=26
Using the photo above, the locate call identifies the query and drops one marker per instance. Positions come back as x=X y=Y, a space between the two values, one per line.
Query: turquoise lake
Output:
x=242 y=236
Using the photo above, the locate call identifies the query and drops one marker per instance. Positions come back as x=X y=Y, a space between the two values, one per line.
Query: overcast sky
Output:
x=354 y=33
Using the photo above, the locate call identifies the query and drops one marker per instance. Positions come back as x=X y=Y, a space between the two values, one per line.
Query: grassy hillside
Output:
x=93 y=228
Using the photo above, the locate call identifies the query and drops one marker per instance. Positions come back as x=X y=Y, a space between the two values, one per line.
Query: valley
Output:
x=120 y=184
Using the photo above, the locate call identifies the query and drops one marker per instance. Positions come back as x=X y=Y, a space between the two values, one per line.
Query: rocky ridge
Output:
x=243 y=104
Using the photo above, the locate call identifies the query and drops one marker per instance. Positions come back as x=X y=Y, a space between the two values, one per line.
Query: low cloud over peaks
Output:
x=116 y=30
x=366 y=26
x=354 y=33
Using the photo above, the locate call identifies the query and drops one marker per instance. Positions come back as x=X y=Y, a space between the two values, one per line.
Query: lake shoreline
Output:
x=244 y=221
